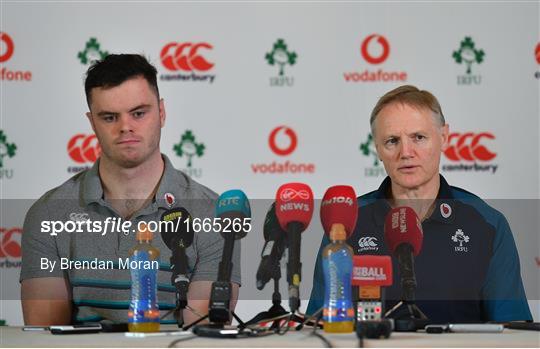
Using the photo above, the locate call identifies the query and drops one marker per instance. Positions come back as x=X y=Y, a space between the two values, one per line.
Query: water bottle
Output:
x=338 y=311
x=143 y=314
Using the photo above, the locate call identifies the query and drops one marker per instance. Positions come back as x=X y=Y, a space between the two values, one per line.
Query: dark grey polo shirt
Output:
x=105 y=293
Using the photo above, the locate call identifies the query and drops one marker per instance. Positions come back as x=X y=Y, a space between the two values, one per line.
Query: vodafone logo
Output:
x=7 y=47
x=280 y=150
x=468 y=147
x=291 y=194
x=170 y=199
x=84 y=148
x=185 y=56
x=536 y=53
x=283 y=141
x=446 y=210
x=10 y=242
x=375 y=49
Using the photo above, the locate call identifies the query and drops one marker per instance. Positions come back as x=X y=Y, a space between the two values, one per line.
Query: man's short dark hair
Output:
x=113 y=70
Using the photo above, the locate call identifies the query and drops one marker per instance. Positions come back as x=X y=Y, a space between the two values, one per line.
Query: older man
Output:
x=468 y=269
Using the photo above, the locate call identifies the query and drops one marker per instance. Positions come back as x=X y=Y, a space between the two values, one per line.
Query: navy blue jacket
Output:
x=468 y=269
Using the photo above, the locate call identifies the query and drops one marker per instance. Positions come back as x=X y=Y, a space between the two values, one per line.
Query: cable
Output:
x=360 y=341
x=323 y=339
x=281 y=333
x=194 y=311
x=308 y=319
x=167 y=314
x=318 y=335
x=174 y=342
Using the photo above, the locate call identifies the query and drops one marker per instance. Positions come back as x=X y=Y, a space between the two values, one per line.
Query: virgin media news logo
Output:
x=291 y=194
x=83 y=149
x=467 y=148
x=10 y=247
x=375 y=50
x=282 y=141
x=187 y=57
x=7 y=49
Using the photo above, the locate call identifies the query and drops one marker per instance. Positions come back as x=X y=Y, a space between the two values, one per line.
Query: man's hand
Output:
x=199 y=300
x=46 y=301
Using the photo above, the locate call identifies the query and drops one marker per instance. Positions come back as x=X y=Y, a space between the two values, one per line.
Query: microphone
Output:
x=173 y=234
x=339 y=211
x=403 y=236
x=370 y=273
x=178 y=236
x=274 y=246
x=294 y=209
x=232 y=206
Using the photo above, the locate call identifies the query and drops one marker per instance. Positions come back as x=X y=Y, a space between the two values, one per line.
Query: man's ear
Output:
x=376 y=146
x=91 y=119
x=444 y=134
x=162 y=114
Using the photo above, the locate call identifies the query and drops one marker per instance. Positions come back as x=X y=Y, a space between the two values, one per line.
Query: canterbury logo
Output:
x=368 y=241
x=467 y=147
x=84 y=148
x=10 y=245
x=291 y=194
x=185 y=56
x=78 y=217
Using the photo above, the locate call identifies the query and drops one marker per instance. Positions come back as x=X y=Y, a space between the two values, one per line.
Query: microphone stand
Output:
x=276 y=313
x=406 y=314
x=219 y=311
x=180 y=281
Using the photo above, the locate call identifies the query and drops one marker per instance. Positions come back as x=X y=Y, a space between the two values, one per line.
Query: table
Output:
x=15 y=337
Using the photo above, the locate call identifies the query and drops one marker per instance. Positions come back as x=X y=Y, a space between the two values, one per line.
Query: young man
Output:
x=474 y=280
x=131 y=180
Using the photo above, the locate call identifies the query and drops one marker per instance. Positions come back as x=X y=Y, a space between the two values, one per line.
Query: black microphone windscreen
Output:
x=174 y=229
x=272 y=231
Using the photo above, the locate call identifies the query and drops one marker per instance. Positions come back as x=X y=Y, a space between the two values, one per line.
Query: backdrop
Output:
x=259 y=94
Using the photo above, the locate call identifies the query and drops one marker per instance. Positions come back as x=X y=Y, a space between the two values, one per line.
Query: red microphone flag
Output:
x=294 y=203
x=403 y=226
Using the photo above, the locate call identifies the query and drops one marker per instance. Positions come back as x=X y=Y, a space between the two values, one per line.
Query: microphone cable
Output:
x=314 y=332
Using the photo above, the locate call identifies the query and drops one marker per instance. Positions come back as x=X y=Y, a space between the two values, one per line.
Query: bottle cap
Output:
x=337 y=232
x=144 y=234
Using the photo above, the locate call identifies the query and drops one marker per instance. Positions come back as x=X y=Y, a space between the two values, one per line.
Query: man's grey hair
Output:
x=411 y=96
